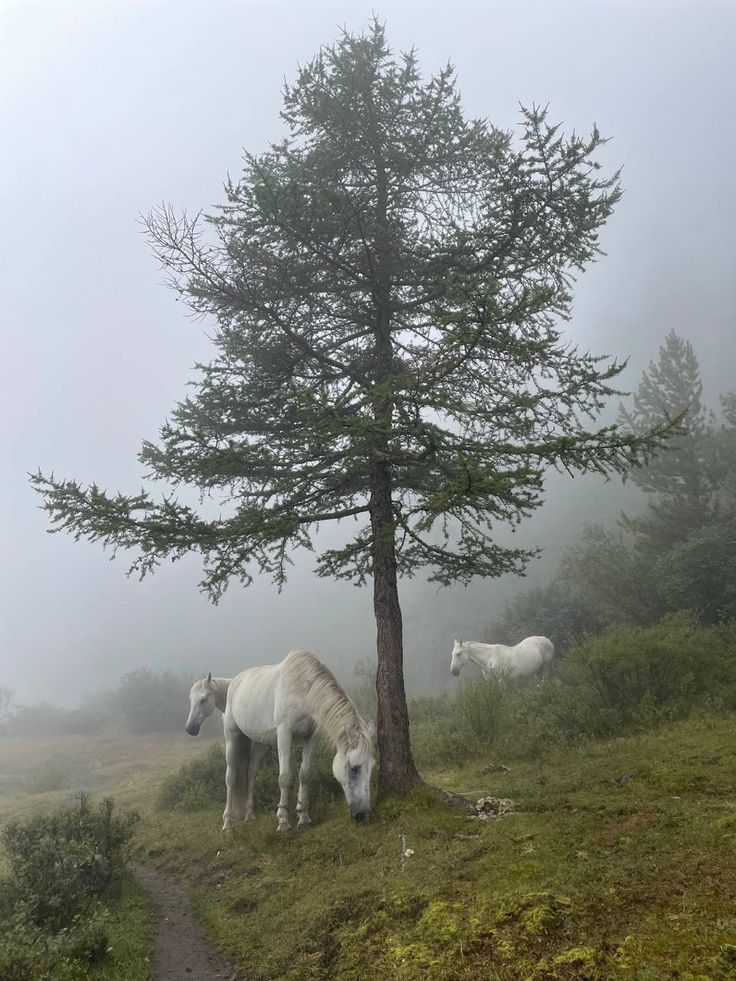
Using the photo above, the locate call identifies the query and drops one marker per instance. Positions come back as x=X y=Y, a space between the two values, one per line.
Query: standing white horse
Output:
x=269 y=705
x=531 y=655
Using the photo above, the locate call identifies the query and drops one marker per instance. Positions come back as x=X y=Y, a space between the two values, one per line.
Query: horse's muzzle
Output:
x=361 y=816
x=192 y=729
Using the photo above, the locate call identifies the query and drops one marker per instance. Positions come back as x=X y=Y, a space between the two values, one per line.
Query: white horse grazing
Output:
x=531 y=655
x=269 y=705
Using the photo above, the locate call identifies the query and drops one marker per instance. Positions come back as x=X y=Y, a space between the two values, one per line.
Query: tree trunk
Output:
x=397 y=772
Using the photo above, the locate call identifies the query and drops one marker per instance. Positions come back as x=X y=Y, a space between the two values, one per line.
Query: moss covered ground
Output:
x=620 y=862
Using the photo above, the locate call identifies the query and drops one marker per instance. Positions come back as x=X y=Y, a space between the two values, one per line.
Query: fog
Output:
x=109 y=107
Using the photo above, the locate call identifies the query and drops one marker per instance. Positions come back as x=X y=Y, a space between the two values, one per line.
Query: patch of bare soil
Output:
x=180 y=951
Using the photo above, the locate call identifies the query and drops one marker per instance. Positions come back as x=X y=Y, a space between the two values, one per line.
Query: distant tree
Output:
x=722 y=458
x=386 y=286
x=153 y=701
x=699 y=572
x=678 y=481
x=688 y=532
x=613 y=577
x=680 y=553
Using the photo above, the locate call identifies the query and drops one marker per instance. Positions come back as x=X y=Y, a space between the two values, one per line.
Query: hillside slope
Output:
x=619 y=862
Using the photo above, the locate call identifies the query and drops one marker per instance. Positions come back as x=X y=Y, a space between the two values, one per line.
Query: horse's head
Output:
x=352 y=767
x=201 y=704
x=458 y=658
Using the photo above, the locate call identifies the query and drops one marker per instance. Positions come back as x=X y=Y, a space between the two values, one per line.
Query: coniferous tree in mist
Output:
x=386 y=286
x=680 y=552
x=678 y=481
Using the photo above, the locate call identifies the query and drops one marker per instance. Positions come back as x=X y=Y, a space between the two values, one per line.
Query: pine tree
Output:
x=677 y=479
x=386 y=285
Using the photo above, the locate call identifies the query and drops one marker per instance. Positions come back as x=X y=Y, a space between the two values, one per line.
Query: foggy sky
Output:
x=109 y=107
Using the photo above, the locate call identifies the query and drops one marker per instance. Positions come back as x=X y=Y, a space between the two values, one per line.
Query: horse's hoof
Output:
x=283 y=826
x=304 y=821
x=249 y=817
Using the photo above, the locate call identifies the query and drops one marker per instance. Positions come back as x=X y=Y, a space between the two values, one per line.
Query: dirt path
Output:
x=180 y=951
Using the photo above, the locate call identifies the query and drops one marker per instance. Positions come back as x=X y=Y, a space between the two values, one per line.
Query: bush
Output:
x=45 y=719
x=62 y=867
x=480 y=705
x=667 y=669
x=153 y=701
x=437 y=733
x=201 y=782
x=443 y=743
x=59 y=862
x=27 y=953
x=83 y=721
x=538 y=717
x=195 y=784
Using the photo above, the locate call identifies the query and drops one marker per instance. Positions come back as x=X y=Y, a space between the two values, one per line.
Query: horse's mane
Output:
x=331 y=708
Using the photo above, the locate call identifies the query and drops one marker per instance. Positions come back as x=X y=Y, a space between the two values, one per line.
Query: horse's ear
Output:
x=209 y=679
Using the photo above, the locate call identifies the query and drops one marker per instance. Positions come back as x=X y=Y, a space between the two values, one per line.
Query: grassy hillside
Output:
x=618 y=863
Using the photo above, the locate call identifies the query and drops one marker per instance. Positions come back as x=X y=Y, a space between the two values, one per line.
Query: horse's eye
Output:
x=354 y=771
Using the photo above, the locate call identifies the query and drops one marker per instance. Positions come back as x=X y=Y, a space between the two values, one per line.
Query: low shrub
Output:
x=28 y=953
x=62 y=868
x=443 y=742
x=541 y=715
x=59 y=862
x=195 y=784
x=45 y=719
x=84 y=721
x=664 y=670
x=481 y=706
x=439 y=732
x=153 y=701
x=201 y=782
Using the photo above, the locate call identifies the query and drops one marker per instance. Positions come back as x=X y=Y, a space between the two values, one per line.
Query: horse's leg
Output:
x=302 y=801
x=283 y=742
x=236 y=776
x=257 y=752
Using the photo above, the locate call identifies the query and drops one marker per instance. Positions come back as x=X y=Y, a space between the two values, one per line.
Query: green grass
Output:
x=130 y=930
x=591 y=878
